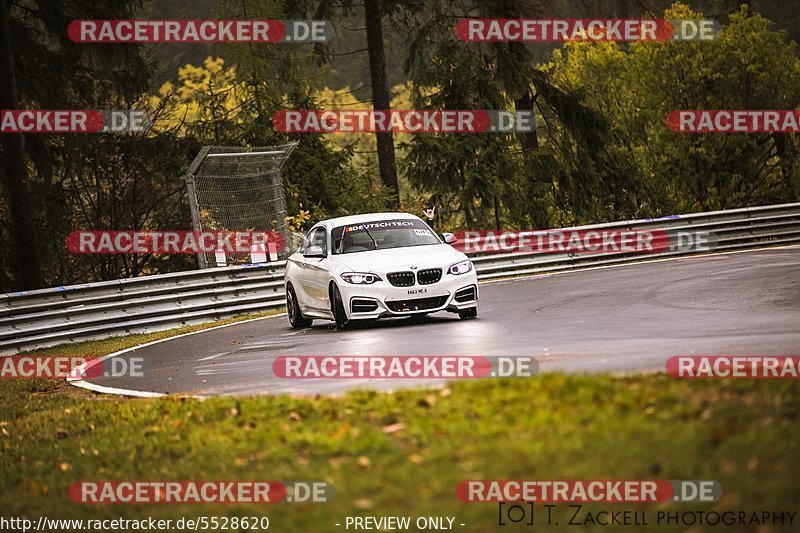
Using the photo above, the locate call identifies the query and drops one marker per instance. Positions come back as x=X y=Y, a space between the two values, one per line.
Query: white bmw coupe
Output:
x=377 y=265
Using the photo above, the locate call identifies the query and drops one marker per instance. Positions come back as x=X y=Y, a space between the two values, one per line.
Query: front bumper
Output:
x=382 y=299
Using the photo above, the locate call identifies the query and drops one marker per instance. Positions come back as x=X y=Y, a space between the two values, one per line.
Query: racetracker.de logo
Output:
x=403 y=367
x=73 y=121
x=560 y=30
x=403 y=121
x=586 y=491
x=173 y=242
x=583 y=241
x=733 y=367
x=199 y=492
x=138 y=492
x=200 y=31
x=69 y=367
x=734 y=121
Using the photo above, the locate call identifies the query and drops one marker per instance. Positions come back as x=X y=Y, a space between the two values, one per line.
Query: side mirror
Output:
x=295 y=240
x=449 y=238
x=314 y=251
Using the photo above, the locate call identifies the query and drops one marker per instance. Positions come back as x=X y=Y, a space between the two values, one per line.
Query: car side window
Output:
x=318 y=237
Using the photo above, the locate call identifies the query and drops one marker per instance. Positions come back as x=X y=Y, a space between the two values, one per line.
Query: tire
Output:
x=296 y=318
x=337 y=308
x=468 y=314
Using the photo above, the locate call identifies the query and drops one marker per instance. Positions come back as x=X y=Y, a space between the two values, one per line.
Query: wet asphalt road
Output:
x=626 y=318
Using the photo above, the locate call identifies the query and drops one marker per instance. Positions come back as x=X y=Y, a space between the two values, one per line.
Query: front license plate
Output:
x=417 y=291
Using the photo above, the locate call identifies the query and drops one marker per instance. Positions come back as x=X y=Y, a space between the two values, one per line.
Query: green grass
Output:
x=743 y=433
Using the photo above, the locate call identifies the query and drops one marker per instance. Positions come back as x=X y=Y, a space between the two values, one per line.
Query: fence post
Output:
x=192 y=193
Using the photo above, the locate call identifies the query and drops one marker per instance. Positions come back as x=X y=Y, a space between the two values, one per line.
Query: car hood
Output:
x=394 y=259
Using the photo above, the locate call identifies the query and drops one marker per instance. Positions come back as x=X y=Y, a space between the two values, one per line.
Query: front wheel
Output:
x=469 y=313
x=339 y=315
x=296 y=318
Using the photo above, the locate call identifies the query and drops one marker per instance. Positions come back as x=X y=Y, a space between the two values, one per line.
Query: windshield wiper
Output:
x=371 y=237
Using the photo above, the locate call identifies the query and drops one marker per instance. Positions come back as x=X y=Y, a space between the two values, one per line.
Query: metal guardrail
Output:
x=47 y=317
x=735 y=229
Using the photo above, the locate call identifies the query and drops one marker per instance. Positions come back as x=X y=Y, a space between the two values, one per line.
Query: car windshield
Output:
x=381 y=235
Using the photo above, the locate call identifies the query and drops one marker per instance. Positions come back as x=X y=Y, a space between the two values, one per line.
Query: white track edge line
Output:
x=78 y=382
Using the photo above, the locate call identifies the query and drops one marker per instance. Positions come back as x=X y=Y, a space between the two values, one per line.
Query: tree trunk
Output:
x=28 y=265
x=529 y=141
x=380 y=98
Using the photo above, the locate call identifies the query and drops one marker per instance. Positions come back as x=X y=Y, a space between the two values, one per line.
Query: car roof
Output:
x=367 y=217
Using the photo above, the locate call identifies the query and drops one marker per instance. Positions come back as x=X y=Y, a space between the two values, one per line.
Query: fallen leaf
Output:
x=363 y=504
x=342 y=431
x=337 y=462
x=394 y=428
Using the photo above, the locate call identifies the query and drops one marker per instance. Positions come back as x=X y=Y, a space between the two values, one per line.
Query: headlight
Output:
x=460 y=268
x=360 y=278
